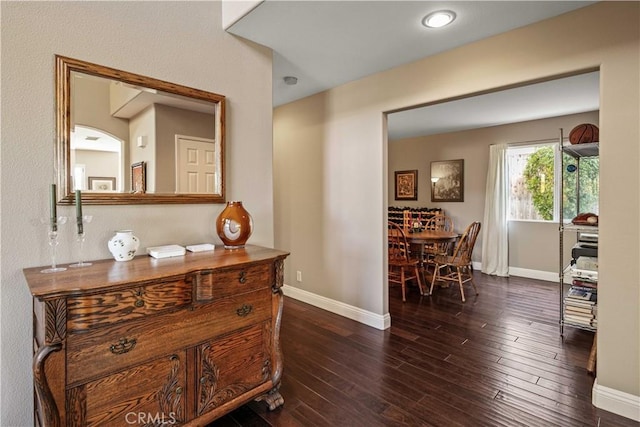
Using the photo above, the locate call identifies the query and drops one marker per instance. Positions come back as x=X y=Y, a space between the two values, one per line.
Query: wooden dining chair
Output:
x=402 y=267
x=457 y=267
x=431 y=250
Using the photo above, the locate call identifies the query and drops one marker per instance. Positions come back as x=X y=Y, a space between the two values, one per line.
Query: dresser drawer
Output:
x=152 y=393
x=89 y=311
x=246 y=362
x=116 y=347
x=231 y=281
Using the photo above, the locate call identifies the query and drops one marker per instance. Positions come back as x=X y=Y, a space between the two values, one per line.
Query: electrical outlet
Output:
x=299 y=276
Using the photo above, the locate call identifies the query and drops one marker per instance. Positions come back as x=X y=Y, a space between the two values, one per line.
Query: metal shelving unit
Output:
x=577 y=151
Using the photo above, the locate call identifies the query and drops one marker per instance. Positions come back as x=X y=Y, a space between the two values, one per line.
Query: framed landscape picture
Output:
x=447 y=181
x=407 y=185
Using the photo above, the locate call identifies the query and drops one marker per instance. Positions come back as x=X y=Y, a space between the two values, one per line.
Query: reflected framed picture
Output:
x=447 y=181
x=139 y=178
x=407 y=185
x=102 y=183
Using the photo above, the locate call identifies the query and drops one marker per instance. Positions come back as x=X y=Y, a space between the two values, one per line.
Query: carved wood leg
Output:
x=45 y=397
x=273 y=399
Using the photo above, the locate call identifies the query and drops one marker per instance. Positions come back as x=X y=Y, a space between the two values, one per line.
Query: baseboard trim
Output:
x=618 y=402
x=345 y=310
x=548 y=276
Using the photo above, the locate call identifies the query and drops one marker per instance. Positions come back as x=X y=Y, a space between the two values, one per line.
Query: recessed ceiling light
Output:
x=438 y=19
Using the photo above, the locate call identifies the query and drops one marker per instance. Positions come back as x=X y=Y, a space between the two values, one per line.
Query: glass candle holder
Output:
x=53 y=226
x=80 y=238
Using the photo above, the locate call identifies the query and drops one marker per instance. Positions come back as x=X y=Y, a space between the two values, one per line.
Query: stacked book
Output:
x=581 y=305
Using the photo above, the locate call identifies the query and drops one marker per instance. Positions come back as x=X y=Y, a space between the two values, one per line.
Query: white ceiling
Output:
x=328 y=43
x=570 y=95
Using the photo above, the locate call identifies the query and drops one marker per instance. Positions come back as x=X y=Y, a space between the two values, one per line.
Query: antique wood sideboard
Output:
x=173 y=341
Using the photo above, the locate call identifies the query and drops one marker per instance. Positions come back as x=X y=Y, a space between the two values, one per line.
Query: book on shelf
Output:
x=582 y=294
x=592 y=289
x=579 y=316
x=580 y=302
x=585 y=283
x=577 y=273
x=579 y=310
x=586 y=316
x=581 y=322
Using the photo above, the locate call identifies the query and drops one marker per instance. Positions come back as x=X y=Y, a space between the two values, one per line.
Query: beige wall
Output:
x=89 y=112
x=170 y=122
x=143 y=123
x=532 y=245
x=98 y=164
x=330 y=166
x=180 y=42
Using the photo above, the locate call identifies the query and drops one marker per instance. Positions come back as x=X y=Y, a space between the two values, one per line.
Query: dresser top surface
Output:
x=108 y=273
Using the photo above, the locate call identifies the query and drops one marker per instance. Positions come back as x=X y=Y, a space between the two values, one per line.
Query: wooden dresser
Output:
x=174 y=341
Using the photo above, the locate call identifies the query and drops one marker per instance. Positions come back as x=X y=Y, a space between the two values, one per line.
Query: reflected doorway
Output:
x=99 y=155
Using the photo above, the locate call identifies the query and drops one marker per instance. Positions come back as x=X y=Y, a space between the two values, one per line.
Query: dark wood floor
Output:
x=497 y=360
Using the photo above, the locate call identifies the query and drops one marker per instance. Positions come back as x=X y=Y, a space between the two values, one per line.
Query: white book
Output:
x=166 y=251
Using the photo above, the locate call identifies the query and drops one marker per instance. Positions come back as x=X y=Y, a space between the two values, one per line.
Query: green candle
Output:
x=78 y=204
x=52 y=205
x=79 y=211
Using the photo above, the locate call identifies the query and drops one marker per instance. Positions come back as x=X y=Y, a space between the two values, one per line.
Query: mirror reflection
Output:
x=125 y=138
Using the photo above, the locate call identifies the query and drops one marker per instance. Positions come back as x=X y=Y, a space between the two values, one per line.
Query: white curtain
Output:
x=495 y=236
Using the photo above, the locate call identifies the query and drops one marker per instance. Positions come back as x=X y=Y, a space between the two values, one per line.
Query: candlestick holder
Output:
x=52 y=235
x=80 y=238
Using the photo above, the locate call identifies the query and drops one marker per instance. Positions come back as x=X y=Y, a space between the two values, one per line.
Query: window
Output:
x=531 y=182
x=534 y=189
x=589 y=186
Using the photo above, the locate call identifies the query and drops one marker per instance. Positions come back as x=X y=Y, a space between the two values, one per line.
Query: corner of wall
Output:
x=234 y=10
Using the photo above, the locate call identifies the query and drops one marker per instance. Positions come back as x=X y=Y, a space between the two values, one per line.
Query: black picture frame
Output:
x=447 y=181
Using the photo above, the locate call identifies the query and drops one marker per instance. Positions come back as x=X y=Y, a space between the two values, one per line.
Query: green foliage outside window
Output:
x=539 y=178
x=538 y=175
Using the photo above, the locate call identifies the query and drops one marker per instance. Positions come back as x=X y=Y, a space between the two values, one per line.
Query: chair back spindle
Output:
x=458 y=266
x=438 y=223
x=402 y=267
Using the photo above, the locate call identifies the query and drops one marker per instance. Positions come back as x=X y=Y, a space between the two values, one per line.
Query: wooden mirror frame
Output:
x=65 y=195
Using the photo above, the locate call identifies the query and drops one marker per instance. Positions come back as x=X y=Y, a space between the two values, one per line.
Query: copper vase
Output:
x=234 y=225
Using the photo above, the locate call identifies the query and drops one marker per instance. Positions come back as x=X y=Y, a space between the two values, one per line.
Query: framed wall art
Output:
x=138 y=178
x=102 y=183
x=447 y=181
x=407 y=185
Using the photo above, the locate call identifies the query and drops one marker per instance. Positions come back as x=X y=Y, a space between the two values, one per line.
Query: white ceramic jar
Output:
x=123 y=245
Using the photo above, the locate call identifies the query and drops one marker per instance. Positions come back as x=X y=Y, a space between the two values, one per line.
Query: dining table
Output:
x=425 y=237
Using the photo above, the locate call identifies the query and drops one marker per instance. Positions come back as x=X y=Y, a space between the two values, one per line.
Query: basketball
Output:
x=584 y=133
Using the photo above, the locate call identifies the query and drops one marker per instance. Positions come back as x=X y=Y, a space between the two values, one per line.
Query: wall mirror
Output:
x=123 y=138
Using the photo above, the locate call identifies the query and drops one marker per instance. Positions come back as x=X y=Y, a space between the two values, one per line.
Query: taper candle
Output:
x=79 y=211
x=52 y=206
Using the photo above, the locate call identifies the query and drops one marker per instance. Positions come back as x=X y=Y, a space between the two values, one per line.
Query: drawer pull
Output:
x=243 y=277
x=124 y=346
x=179 y=390
x=139 y=303
x=244 y=310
